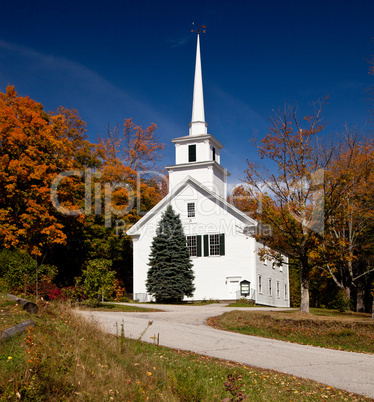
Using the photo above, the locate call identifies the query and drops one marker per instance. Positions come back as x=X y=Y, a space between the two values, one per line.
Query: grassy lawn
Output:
x=240 y=304
x=326 y=328
x=244 y=303
x=65 y=358
x=185 y=303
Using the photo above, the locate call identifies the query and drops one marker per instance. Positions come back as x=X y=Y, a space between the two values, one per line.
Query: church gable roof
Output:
x=134 y=230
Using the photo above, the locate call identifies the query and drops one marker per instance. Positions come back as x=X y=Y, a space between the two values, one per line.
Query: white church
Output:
x=224 y=255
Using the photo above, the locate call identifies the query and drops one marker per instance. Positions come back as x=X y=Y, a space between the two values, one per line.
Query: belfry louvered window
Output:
x=192 y=153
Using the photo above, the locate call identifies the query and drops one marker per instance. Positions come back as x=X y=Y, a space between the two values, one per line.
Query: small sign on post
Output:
x=245 y=288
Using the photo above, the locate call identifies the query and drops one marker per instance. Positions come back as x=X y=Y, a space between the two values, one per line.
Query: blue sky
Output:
x=119 y=59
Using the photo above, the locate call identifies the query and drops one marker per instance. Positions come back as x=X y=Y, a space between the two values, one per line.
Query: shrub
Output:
x=54 y=294
x=340 y=302
x=46 y=289
x=18 y=270
x=72 y=293
x=118 y=291
x=97 y=279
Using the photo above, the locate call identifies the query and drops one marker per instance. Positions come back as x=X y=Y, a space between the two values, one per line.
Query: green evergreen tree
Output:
x=170 y=276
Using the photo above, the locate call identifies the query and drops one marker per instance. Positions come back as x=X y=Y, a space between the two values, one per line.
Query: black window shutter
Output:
x=214 y=154
x=192 y=153
x=198 y=246
x=222 y=244
x=206 y=246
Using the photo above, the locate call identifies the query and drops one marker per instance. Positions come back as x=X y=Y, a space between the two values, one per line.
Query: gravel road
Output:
x=183 y=327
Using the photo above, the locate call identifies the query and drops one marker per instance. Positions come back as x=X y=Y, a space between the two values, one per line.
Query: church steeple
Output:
x=197 y=155
x=198 y=125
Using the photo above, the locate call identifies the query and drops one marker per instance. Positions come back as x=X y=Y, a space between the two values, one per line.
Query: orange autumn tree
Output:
x=347 y=252
x=130 y=179
x=34 y=148
x=285 y=192
x=130 y=157
x=140 y=147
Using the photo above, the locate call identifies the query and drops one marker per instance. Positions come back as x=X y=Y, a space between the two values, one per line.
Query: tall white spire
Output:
x=198 y=125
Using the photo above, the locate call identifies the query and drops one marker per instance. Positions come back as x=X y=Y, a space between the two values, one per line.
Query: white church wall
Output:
x=203 y=153
x=219 y=277
x=219 y=183
x=216 y=276
x=214 y=180
x=278 y=277
x=199 y=173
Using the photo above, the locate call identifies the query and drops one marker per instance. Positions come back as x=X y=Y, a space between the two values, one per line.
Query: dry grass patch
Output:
x=325 y=328
x=66 y=358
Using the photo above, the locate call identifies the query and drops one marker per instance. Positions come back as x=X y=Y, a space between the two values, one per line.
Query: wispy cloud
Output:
x=58 y=69
x=240 y=114
x=237 y=124
x=181 y=41
x=347 y=85
x=55 y=81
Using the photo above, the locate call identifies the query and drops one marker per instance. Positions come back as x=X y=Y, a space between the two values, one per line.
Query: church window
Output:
x=270 y=289
x=191 y=210
x=214 y=153
x=285 y=292
x=194 y=245
x=259 y=284
x=214 y=244
x=192 y=153
x=278 y=290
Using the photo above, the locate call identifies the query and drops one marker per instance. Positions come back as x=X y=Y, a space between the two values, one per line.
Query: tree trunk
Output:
x=347 y=292
x=17 y=329
x=304 y=283
x=30 y=307
x=360 y=303
x=304 y=302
